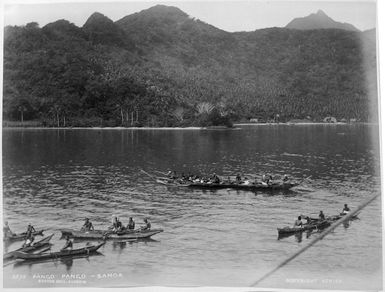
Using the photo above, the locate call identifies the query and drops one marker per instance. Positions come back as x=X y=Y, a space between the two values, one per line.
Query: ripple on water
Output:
x=215 y=238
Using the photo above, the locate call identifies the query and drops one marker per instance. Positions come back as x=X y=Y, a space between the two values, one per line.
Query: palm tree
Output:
x=204 y=108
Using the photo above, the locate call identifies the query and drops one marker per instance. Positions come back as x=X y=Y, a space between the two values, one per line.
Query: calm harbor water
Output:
x=55 y=178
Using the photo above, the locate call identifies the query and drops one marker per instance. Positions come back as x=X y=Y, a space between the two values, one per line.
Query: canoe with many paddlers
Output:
x=60 y=254
x=43 y=243
x=21 y=236
x=315 y=223
x=243 y=186
x=198 y=183
x=108 y=234
x=236 y=186
x=304 y=227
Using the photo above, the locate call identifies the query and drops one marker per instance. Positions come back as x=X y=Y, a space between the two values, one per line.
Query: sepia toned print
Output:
x=226 y=144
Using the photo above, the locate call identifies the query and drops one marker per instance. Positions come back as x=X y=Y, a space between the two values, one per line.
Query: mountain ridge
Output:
x=319 y=20
x=158 y=67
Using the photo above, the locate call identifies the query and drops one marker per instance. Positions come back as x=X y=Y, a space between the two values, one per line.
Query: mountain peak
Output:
x=319 y=20
x=321 y=13
x=157 y=12
x=97 y=18
x=101 y=29
x=164 y=9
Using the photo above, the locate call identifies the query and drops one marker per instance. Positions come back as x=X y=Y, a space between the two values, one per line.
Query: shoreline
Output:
x=236 y=126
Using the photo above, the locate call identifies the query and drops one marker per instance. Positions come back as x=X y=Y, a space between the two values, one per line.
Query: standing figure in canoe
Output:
x=321 y=215
x=29 y=235
x=131 y=224
x=87 y=226
x=68 y=244
x=7 y=230
x=147 y=226
x=298 y=222
x=345 y=210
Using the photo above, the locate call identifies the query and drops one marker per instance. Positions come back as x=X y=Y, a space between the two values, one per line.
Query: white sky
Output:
x=226 y=15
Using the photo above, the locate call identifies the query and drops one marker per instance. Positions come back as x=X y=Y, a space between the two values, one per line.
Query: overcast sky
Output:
x=226 y=15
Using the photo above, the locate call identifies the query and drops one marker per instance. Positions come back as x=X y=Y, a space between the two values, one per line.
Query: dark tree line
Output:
x=162 y=68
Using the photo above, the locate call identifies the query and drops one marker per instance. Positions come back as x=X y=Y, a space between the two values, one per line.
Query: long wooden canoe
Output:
x=60 y=254
x=250 y=187
x=21 y=236
x=311 y=226
x=236 y=186
x=108 y=234
x=43 y=243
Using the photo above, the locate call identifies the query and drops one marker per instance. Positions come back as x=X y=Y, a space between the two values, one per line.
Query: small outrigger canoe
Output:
x=21 y=236
x=108 y=234
x=60 y=254
x=305 y=227
x=36 y=246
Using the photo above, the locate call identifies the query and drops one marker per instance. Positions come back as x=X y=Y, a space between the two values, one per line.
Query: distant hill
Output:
x=318 y=20
x=162 y=67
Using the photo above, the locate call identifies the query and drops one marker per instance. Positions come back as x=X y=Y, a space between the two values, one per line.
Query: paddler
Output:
x=147 y=226
x=298 y=222
x=68 y=244
x=321 y=215
x=285 y=178
x=238 y=178
x=30 y=230
x=7 y=230
x=215 y=179
x=346 y=210
x=87 y=225
x=131 y=224
x=29 y=238
x=117 y=225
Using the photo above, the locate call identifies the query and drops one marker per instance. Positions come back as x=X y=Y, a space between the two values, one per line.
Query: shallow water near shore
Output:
x=55 y=178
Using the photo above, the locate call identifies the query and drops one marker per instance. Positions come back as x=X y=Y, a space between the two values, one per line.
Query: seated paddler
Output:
x=147 y=225
x=68 y=244
x=117 y=225
x=87 y=226
x=298 y=222
x=345 y=210
x=131 y=224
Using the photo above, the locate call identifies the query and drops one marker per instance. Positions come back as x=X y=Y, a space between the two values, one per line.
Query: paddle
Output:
x=153 y=176
x=43 y=250
x=301 y=181
x=146 y=173
x=161 y=172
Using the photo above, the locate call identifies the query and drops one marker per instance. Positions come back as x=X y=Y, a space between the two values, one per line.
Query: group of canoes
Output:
x=267 y=182
x=313 y=223
x=117 y=231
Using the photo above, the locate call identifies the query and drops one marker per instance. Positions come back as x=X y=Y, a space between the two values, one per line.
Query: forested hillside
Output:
x=161 y=67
